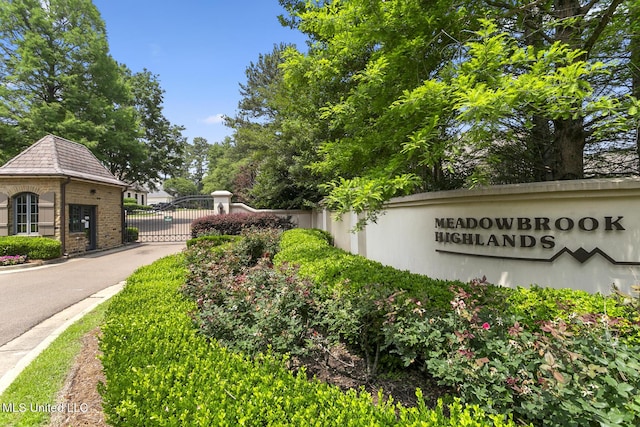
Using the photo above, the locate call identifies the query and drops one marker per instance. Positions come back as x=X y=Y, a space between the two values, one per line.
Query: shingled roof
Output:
x=55 y=156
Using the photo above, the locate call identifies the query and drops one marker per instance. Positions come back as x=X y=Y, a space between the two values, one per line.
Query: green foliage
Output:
x=389 y=90
x=573 y=373
x=212 y=240
x=233 y=224
x=160 y=370
x=273 y=145
x=62 y=80
x=179 y=187
x=538 y=304
x=32 y=247
x=251 y=308
x=333 y=269
x=134 y=206
x=366 y=196
x=131 y=234
x=553 y=357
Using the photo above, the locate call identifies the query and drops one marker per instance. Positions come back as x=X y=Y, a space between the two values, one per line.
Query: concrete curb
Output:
x=18 y=353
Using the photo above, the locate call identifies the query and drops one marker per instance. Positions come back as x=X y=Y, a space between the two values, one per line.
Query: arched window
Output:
x=26 y=213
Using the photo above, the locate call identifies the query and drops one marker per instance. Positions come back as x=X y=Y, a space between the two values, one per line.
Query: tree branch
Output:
x=602 y=23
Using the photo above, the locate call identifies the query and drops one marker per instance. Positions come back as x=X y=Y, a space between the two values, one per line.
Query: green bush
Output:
x=538 y=304
x=334 y=269
x=233 y=224
x=555 y=357
x=242 y=301
x=160 y=371
x=131 y=234
x=33 y=247
x=213 y=240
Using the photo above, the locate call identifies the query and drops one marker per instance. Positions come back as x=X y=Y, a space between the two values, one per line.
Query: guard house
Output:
x=57 y=188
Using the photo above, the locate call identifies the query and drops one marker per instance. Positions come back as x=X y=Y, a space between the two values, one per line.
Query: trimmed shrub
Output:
x=33 y=247
x=555 y=357
x=131 y=234
x=335 y=270
x=160 y=371
x=212 y=240
x=233 y=224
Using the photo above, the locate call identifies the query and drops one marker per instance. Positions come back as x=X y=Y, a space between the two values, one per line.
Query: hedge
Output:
x=335 y=270
x=214 y=240
x=161 y=372
x=233 y=224
x=32 y=247
x=554 y=357
x=330 y=268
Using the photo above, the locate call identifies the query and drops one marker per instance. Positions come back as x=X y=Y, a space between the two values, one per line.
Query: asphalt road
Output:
x=31 y=295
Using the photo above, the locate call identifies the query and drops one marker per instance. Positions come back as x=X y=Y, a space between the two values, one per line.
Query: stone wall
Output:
x=107 y=200
x=108 y=203
x=10 y=187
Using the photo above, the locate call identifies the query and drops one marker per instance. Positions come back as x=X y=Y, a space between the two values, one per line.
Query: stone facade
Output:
x=79 y=202
x=106 y=199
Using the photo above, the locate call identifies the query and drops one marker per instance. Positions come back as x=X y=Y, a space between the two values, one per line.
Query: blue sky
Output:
x=199 y=49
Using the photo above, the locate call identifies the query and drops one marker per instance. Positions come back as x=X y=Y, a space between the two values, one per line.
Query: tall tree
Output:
x=597 y=29
x=162 y=143
x=197 y=155
x=269 y=137
x=58 y=75
x=423 y=95
x=223 y=164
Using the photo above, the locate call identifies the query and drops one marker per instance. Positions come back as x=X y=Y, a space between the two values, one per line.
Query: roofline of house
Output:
x=122 y=185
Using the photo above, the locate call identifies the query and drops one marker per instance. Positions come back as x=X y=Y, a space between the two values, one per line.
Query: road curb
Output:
x=18 y=353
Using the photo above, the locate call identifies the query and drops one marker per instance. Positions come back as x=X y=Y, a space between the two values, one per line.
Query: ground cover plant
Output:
x=161 y=371
x=12 y=259
x=549 y=357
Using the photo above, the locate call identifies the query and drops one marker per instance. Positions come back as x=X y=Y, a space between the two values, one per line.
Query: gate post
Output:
x=222 y=202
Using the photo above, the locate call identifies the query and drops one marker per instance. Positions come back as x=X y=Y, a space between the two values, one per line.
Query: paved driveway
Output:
x=32 y=295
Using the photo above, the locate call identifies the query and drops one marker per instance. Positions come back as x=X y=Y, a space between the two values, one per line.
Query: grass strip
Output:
x=40 y=382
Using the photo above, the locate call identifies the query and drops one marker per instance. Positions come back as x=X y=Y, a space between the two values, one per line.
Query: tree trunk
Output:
x=634 y=48
x=569 y=142
x=540 y=142
x=569 y=134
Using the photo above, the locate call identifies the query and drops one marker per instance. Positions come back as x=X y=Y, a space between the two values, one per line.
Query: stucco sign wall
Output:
x=580 y=234
x=516 y=236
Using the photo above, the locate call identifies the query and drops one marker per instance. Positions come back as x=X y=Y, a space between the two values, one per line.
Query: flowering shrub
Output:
x=12 y=259
x=233 y=224
x=246 y=304
x=160 y=371
x=565 y=373
x=548 y=357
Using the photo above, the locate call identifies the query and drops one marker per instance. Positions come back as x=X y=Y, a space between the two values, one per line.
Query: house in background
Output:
x=159 y=196
x=57 y=188
x=137 y=192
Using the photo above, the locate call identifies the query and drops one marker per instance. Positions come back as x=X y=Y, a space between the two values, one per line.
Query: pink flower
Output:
x=486 y=326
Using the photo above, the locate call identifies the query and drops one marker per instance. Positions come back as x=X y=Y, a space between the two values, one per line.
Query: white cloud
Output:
x=215 y=119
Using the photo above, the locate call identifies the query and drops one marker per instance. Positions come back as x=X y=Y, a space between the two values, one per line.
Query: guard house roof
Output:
x=55 y=156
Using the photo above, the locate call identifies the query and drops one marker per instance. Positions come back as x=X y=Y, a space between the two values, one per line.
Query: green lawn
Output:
x=41 y=381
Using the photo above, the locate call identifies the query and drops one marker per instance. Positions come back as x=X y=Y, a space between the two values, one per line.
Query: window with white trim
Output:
x=26 y=213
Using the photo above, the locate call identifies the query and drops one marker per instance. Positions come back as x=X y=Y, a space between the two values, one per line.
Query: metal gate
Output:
x=170 y=222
